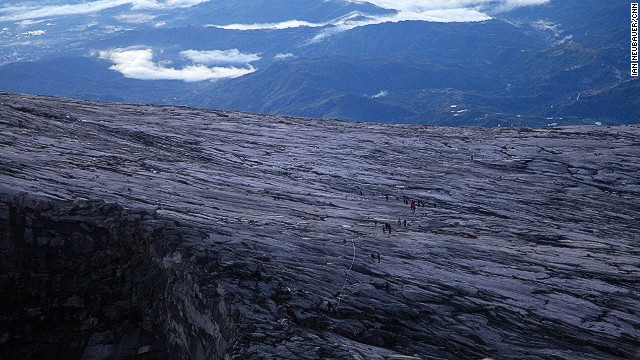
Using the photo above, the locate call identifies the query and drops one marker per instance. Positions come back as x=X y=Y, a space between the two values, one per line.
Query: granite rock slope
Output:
x=149 y=232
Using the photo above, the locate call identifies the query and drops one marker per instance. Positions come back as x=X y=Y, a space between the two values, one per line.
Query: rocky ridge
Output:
x=168 y=232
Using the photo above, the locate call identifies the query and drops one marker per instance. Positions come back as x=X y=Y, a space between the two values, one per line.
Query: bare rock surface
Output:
x=168 y=232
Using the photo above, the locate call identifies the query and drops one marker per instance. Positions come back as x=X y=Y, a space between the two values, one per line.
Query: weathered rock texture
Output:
x=167 y=232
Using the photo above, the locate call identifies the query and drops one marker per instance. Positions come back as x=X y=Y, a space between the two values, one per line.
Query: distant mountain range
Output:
x=549 y=63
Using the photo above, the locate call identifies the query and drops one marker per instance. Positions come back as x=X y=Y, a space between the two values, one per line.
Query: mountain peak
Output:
x=170 y=232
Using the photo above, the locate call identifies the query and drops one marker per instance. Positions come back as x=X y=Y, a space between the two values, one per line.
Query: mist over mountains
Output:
x=518 y=63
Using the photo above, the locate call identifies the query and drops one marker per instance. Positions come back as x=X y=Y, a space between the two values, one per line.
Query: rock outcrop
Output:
x=145 y=232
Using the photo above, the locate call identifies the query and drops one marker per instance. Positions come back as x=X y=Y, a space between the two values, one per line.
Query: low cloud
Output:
x=428 y=5
x=382 y=93
x=426 y=10
x=508 y=5
x=139 y=64
x=34 y=33
x=282 y=56
x=25 y=23
x=356 y=19
x=110 y=29
x=405 y=10
x=19 y=12
x=219 y=57
x=136 y=18
x=549 y=26
x=436 y=15
x=85 y=27
x=269 y=26
x=359 y=19
x=555 y=29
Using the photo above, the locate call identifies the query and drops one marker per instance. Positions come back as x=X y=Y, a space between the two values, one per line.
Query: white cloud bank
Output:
x=357 y=19
x=405 y=10
x=270 y=26
x=514 y=4
x=139 y=64
x=428 y=5
x=23 y=11
x=219 y=57
x=25 y=23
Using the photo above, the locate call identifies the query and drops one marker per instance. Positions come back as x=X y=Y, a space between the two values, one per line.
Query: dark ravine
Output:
x=92 y=280
x=149 y=232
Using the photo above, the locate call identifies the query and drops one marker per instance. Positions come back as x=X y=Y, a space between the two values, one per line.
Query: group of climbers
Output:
x=413 y=205
x=386 y=227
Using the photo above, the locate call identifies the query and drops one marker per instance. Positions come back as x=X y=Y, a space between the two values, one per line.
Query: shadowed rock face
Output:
x=170 y=232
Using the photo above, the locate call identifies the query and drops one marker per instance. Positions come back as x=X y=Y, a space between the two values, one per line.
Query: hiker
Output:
x=399 y=222
x=413 y=206
x=384 y=228
x=405 y=223
x=387 y=197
